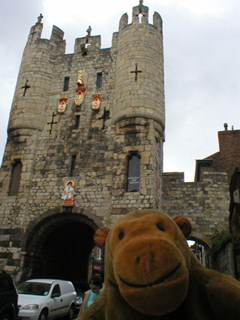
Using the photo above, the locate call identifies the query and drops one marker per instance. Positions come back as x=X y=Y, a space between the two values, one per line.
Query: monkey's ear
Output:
x=184 y=225
x=100 y=237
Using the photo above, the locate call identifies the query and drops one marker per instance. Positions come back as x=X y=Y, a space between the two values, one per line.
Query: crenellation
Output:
x=123 y=22
x=140 y=15
x=157 y=21
x=35 y=32
x=206 y=201
x=57 y=34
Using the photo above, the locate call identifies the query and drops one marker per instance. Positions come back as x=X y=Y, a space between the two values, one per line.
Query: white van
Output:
x=42 y=299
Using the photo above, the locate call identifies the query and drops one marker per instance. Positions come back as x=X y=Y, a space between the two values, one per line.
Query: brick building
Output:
x=226 y=159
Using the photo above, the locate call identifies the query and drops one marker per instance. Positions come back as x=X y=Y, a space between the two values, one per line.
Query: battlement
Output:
x=212 y=177
x=36 y=31
x=205 y=203
x=56 y=40
x=140 y=16
x=57 y=34
x=82 y=45
x=87 y=44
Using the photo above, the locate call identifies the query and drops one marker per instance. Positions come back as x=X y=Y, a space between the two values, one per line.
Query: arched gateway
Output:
x=59 y=246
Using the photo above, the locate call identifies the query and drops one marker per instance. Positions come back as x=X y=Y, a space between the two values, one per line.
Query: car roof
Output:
x=50 y=281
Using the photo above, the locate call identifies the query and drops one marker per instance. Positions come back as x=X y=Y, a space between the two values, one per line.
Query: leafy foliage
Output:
x=219 y=240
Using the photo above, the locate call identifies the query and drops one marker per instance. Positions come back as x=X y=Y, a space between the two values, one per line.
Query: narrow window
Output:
x=73 y=163
x=99 y=79
x=15 y=178
x=133 y=173
x=77 y=121
x=140 y=17
x=66 y=84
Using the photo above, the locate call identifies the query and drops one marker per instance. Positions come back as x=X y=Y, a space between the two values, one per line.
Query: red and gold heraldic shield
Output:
x=96 y=99
x=62 y=104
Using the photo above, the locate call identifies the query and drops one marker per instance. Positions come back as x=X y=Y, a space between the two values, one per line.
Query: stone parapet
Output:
x=204 y=203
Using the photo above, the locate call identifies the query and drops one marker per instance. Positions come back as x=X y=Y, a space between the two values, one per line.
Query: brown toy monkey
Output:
x=151 y=274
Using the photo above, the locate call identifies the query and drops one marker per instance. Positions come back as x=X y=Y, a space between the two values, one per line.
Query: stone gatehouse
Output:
x=85 y=145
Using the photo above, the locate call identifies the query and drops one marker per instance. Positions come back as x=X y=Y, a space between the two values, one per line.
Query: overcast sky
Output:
x=201 y=54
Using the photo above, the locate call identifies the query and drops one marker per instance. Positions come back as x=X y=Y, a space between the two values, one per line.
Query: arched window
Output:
x=15 y=178
x=133 y=172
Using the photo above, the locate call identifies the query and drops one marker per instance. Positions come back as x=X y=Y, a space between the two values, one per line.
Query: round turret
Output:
x=139 y=86
x=34 y=81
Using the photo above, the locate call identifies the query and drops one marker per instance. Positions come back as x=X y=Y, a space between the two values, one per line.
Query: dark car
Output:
x=8 y=298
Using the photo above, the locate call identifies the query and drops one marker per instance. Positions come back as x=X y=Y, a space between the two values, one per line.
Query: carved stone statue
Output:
x=40 y=18
x=89 y=30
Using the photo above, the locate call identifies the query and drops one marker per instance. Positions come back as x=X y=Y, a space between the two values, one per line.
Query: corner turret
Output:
x=34 y=82
x=139 y=89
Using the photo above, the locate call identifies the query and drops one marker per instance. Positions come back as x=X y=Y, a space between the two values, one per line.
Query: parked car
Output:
x=8 y=298
x=81 y=288
x=42 y=299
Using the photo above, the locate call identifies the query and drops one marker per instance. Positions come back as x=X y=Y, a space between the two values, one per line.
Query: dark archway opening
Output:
x=201 y=251
x=59 y=247
x=66 y=252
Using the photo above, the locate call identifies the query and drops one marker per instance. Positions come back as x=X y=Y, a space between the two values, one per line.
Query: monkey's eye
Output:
x=121 y=235
x=160 y=227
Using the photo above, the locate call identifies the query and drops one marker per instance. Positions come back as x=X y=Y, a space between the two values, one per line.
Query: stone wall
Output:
x=204 y=203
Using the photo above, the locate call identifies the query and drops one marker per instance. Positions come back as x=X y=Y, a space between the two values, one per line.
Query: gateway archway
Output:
x=201 y=247
x=59 y=247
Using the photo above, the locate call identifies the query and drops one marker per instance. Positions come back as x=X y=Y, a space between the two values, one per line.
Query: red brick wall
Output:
x=228 y=157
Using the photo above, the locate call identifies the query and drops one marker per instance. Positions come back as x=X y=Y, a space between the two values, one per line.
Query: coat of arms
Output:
x=69 y=193
x=96 y=98
x=62 y=105
x=80 y=89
